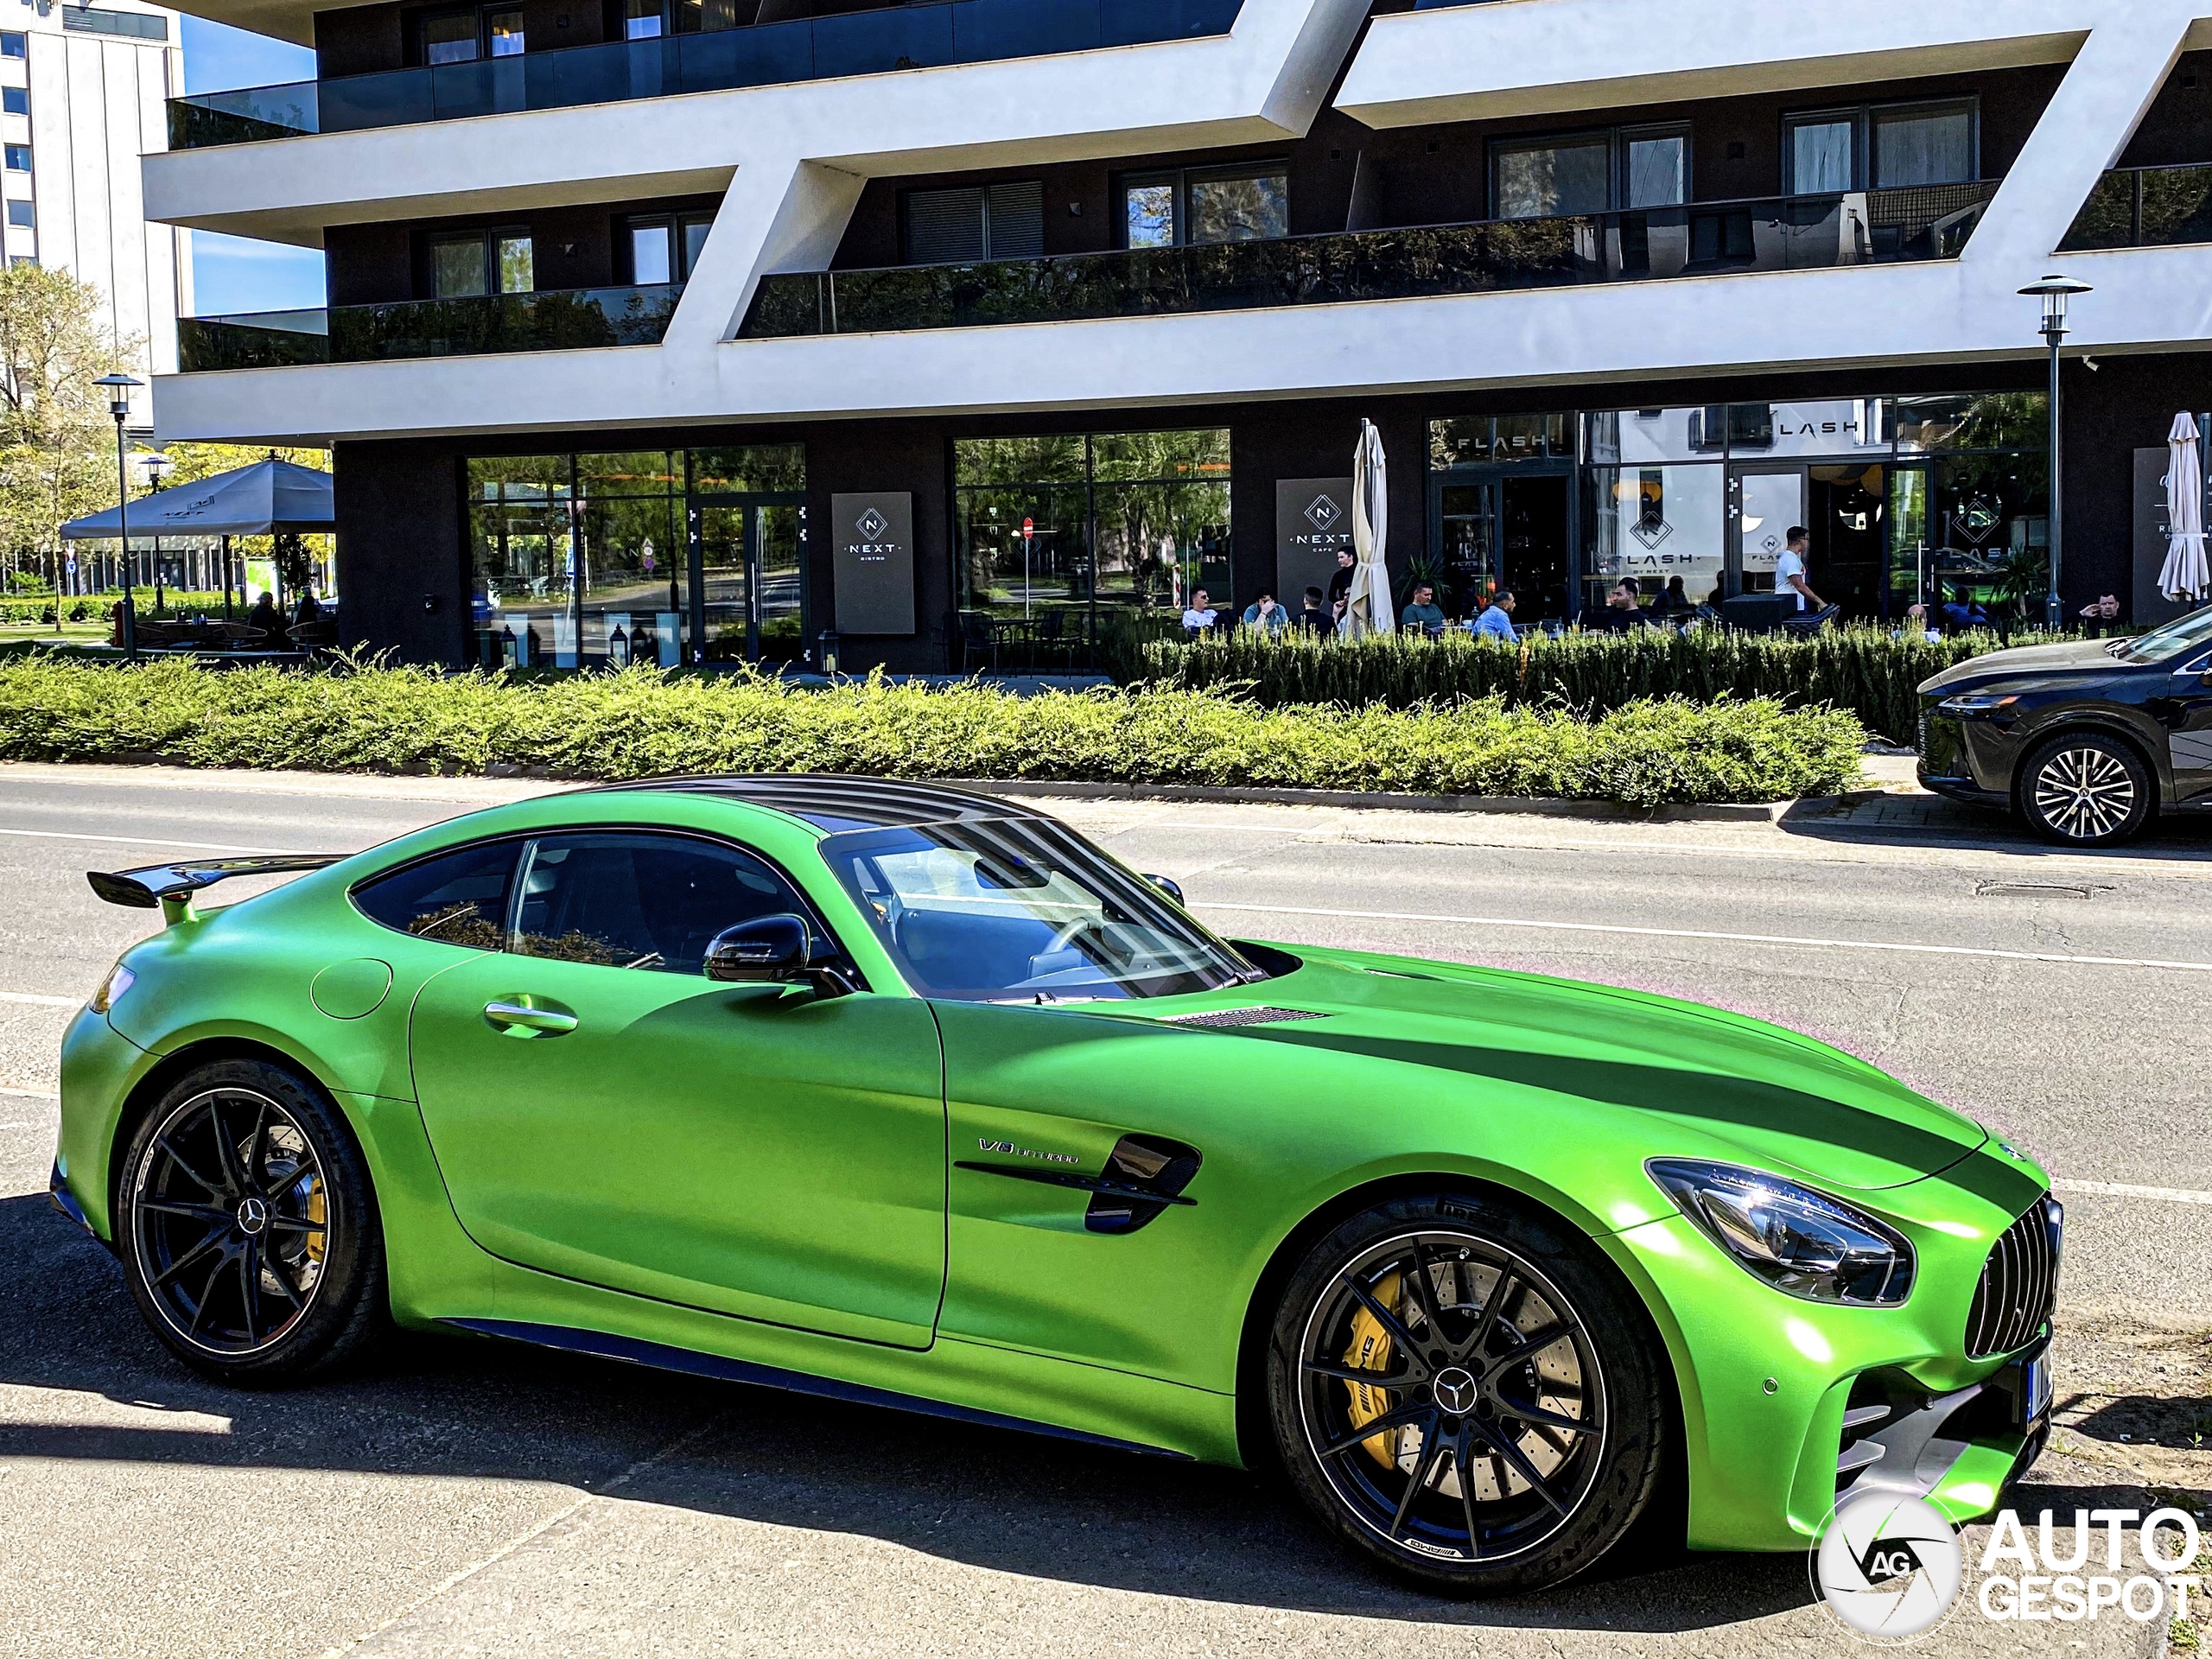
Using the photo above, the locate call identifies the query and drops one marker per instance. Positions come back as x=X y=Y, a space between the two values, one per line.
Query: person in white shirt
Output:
x=1201 y=615
x=1789 y=571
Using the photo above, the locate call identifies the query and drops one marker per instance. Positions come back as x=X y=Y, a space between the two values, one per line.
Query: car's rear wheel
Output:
x=2084 y=789
x=1466 y=1395
x=247 y=1227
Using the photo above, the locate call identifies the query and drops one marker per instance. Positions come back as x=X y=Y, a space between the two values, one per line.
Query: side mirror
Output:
x=765 y=951
x=1173 y=889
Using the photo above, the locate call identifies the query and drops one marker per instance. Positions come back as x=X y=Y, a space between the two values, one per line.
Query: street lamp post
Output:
x=2054 y=292
x=156 y=465
x=119 y=387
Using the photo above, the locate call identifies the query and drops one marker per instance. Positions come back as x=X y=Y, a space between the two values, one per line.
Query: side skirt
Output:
x=632 y=1350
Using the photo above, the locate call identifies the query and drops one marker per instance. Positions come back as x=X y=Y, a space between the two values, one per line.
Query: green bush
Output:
x=642 y=723
x=97 y=607
x=1862 y=668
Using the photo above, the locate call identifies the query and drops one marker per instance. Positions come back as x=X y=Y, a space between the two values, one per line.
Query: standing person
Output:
x=1424 y=615
x=1496 y=620
x=1315 y=618
x=1201 y=616
x=1264 y=613
x=1790 y=572
x=1340 y=583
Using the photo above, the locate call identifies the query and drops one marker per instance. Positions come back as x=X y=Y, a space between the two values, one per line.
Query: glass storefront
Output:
x=1056 y=537
x=652 y=555
x=1906 y=500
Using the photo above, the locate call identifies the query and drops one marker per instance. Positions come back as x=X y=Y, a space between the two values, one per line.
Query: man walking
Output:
x=1790 y=572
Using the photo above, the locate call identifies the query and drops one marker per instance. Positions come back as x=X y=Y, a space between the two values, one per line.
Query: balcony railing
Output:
x=2145 y=207
x=818 y=48
x=1706 y=239
x=567 y=320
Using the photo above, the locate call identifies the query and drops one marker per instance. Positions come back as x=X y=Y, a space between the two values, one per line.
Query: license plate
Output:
x=2035 y=1391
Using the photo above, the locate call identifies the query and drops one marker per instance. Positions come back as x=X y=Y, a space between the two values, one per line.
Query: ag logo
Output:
x=1889 y=1565
x=871 y=526
x=1323 y=512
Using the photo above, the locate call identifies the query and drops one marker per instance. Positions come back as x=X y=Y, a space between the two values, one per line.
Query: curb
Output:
x=1031 y=788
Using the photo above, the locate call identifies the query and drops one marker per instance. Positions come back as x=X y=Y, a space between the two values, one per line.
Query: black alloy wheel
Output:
x=2084 y=789
x=1465 y=1397
x=247 y=1229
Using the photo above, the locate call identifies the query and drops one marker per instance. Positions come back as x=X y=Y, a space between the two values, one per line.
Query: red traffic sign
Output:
x=1029 y=529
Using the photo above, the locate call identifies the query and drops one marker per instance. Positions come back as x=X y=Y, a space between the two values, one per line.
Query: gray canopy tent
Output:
x=267 y=497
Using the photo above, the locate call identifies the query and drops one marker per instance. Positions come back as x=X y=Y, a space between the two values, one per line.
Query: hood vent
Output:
x=1229 y=1017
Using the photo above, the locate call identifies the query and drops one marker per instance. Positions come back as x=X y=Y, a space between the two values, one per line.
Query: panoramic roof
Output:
x=834 y=801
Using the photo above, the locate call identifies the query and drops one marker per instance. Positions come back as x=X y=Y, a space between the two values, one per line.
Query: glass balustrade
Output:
x=565 y=319
x=1700 y=240
x=2145 y=207
x=816 y=48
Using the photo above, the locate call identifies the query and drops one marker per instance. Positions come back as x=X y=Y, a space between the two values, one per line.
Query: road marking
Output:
x=144 y=841
x=25 y=1093
x=38 y=1002
x=1789 y=940
x=2121 y=1190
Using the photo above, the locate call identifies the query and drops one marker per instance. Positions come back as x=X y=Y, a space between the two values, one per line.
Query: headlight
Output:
x=119 y=979
x=1975 y=705
x=1795 y=1239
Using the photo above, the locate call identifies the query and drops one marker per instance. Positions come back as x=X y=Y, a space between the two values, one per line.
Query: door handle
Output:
x=517 y=1018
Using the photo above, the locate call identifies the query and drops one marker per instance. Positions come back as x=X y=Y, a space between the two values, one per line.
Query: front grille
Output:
x=1232 y=1017
x=2020 y=1285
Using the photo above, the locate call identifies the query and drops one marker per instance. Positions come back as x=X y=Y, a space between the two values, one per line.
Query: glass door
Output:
x=721 y=608
x=1466 y=514
x=779 y=583
x=748 y=563
x=1769 y=501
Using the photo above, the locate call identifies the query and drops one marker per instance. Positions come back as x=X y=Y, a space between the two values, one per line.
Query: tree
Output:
x=57 y=435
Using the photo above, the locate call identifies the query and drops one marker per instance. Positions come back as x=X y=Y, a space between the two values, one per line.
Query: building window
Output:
x=15 y=100
x=24 y=215
x=476 y=262
x=664 y=250
x=992 y=221
x=19 y=158
x=642 y=21
x=464 y=36
x=12 y=44
x=1196 y=206
x=1066 y=532
x=1589 y=173
x=1881 y=147
x=137 y=25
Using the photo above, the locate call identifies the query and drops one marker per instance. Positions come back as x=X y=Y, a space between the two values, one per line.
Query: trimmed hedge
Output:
x=641 y=722
x=17 y=608
x=1862 y=669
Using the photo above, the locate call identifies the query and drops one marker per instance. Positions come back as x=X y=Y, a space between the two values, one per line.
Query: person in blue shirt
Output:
x=1496 y=620
x=1264 y=613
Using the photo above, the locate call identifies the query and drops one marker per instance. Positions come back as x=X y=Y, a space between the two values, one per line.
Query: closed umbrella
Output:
x=1369 y=609
x=2184 y=576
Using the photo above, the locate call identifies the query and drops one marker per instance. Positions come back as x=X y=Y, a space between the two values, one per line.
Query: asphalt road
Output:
x=462 y=1498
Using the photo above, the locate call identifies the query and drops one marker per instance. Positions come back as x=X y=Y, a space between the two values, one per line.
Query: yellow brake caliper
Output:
x=1370 y=1350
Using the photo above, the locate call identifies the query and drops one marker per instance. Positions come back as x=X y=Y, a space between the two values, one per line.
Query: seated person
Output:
x=1960 y=610
x=1496 y=620
x=1264 y=613
x=1424 y=615
x=1672 y=600
x=1623 y=608
x=2102 y=619
x=1201 y=616
x=1316 y=618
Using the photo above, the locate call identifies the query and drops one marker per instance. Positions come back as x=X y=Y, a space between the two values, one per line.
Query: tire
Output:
x=1444 y=1497
x=2084 y=789
x=246 y=1169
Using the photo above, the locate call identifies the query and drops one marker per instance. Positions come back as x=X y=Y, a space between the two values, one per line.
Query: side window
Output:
x=635 y=900
x=458 y=898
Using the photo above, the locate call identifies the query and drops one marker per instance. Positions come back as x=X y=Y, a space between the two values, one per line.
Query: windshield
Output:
x=2176 y=636
x=1001 y=910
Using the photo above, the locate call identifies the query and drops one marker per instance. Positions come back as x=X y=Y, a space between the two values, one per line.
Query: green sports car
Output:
x=912 y=1096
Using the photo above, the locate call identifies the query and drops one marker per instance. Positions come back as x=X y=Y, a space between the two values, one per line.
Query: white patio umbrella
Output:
x=1369 y=609
x=2185 y=575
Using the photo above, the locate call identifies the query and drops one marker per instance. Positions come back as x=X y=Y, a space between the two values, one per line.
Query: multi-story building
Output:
x=82 y=94
x=692 y=329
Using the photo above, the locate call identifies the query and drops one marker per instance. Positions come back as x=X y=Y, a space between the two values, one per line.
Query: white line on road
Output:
x=144 y=841
x=1732 y=938
x=2121 y=1190
x=38 y=1002
x=27 y=1094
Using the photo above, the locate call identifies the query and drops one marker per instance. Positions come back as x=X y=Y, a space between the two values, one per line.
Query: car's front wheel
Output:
x=1466 y=1395
x=247 y=1226
x=2084 y=789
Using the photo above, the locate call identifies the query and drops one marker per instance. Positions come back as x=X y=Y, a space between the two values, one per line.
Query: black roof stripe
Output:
x=879 y=801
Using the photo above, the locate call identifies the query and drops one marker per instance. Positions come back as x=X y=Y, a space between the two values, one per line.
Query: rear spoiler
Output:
x=170 y=887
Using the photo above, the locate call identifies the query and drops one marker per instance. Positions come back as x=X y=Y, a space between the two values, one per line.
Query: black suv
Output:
x=2085 y=741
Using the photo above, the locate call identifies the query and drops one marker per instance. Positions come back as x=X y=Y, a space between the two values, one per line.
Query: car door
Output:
x=2189 y=727
x=602 y=1110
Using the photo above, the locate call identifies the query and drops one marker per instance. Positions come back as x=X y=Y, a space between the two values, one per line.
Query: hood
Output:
x=2025 y=662
x=1779 y=1101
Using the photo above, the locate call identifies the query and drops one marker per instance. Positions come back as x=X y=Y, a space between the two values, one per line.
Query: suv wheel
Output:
x=1463 y=1395
x=2084 y=789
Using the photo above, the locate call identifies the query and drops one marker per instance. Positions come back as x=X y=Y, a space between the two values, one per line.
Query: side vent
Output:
x=1147 y=1174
